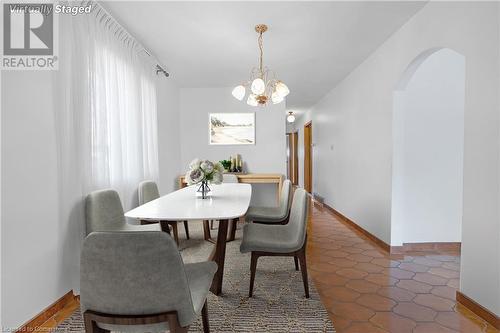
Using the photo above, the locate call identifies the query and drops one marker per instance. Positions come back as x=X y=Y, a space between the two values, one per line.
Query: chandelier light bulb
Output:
x=258 y=86
x=282 y=89
x=252 y=100
x=276 y=97
x=239 y=92
x=290 y=118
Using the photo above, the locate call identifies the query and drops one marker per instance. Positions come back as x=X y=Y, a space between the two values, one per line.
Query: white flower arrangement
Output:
x=204 y=171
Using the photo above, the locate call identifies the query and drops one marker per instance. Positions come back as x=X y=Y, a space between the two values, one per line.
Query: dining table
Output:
x=225 y=202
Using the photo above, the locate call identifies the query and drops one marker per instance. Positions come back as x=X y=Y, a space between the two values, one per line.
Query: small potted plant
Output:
x=226 y=164
x=204 y=172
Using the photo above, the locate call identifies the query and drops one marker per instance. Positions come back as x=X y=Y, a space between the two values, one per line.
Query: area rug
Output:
x=278 y=303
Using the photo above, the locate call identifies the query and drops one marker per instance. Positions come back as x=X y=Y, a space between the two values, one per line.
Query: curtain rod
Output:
x=125 y=35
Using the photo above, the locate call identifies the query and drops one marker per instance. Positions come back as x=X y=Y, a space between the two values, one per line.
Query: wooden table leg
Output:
x=206 y=230
x=232 y=230
x=175 y=231
x=218 y=255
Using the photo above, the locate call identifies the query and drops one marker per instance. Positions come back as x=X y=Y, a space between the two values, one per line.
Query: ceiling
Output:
x=310 y=45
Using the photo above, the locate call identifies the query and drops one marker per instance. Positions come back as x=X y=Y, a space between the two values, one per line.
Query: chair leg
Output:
x=212 y=224
x=186 y=228
x=253 y=269
x=204 y=318
x=303 y=269
x=91 y=325
x=175 y=231
x=174 y=326
x=165 y=227
x=206 y=230
x=296 y=260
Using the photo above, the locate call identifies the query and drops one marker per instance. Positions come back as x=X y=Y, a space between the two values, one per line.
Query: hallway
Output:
x=367 y=290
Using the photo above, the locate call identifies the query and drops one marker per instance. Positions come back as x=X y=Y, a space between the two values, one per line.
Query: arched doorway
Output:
x=428 y=146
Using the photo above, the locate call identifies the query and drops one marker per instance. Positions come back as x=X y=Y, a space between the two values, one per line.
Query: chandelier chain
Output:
x=261 y=48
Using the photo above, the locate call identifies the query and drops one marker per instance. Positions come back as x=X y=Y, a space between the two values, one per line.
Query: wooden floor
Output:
x=367 y=290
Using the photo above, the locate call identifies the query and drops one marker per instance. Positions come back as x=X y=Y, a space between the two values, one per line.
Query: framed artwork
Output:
x=232 y=128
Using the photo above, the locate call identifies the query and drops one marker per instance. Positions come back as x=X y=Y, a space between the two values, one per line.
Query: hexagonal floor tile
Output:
x=409 y=266
x=359 y=257
x=397 y=294
x=392 y=322
x=434 y=302
x=362 y=286
x=445 y=292
x=445 y=273
x=414 y=286
x=376 y=302
x=341 y=294
x=369 y=267
x=351 y=273
x=399 y=273
x=432 y=328
x=385 y=262
x=363 y=328
x=415 y=311
x=381 y=279
x=431 y=279
x=353 y=311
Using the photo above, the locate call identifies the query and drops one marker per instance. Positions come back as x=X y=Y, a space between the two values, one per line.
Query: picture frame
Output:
x=231 y=128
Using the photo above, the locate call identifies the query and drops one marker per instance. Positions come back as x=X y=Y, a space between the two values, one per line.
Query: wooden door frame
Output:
x=308 y=160
x=292 y=158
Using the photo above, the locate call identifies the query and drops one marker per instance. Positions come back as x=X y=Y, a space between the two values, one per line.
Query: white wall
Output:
x=428 y=136
x=268 y=155
x=352 y=130
x=33 y=240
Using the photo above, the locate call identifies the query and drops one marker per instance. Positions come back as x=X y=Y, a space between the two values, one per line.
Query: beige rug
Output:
x=278 y=304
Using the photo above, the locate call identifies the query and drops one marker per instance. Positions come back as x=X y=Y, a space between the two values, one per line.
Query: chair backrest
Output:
x=297 y=223
x=104 y=211
x=229 y=178
x=285 y=197
x=131 y=273
x=148 y=191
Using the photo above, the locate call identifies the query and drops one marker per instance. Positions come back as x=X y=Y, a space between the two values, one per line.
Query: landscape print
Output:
x=232 y=128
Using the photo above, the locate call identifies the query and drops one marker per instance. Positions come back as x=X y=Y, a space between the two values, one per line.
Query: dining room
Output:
x=237 y=166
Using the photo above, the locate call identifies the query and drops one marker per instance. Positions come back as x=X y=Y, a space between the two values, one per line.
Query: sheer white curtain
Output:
x=107 y=134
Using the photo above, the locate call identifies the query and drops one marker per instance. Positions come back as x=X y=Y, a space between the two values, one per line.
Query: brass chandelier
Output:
x=264 y=86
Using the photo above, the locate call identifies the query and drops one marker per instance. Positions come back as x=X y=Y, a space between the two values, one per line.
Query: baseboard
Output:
x=478 y=309
x=454 y=247
x=354 y=225
x=47 y=313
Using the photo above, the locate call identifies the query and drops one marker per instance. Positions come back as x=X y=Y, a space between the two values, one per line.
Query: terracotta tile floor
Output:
x=367 y=290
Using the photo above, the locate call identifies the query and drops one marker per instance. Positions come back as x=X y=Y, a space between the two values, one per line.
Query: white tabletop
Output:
x=227 y=201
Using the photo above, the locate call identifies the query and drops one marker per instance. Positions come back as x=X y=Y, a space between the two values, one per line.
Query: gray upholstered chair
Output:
x=137 y=282
x=104 y=212
x=148 y=191
x=280 y=240
x=273 y=215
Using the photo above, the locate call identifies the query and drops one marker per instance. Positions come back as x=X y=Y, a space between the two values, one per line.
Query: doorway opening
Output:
x=292 y=157
x=428 y=148
x=308 y=157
